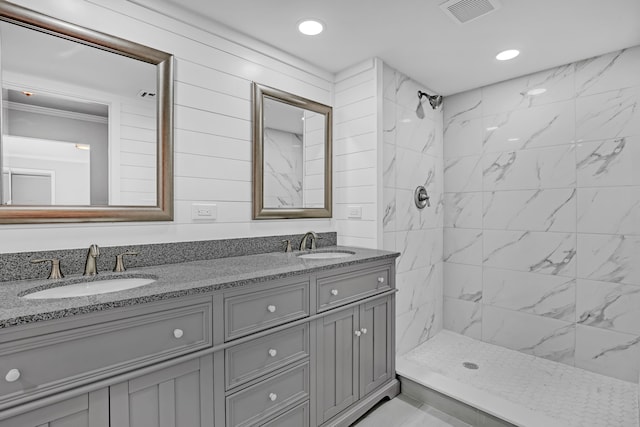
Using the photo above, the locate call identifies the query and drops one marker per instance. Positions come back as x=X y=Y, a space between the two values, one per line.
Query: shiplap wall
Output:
x=356 y=143
x=212 y=130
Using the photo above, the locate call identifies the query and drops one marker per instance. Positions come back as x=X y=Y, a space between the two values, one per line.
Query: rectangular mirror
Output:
x=87 y=124
x=291 y=156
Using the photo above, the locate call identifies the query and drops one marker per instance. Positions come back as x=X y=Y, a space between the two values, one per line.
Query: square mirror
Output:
x=87 y=124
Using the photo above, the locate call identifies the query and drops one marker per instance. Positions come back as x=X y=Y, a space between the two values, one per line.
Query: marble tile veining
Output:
x=609 y=258
x=536 y=335
x=530 y=169
x=539 y=294
x=543 y=126
x=534 y=252
x=609 y=306
x=608 y=72
x=533 y=210
x=608 y=115
x=608 y=352
x=609 y=162
x=463 y=282
x=595 y=213
x=463 y=317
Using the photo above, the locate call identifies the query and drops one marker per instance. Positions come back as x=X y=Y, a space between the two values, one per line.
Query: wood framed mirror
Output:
x=292 y=154
x=87 y=124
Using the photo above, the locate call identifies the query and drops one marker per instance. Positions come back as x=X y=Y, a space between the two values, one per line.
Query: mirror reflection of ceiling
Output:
x=57 y=103
x=284 y=117
x=25 y=51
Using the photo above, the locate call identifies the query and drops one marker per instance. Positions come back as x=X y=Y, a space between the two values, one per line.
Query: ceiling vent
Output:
x=463 y=11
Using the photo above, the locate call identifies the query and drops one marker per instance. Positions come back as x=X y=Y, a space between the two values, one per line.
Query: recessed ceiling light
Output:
x=83 y=146
x=310 y=27
x=513 y=139
x=491 y=128
x=536 y=91
x=506 y=55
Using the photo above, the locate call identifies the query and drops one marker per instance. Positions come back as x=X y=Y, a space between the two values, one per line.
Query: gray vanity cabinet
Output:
x=376 y=348
x=85 y=410
x=355 y=353
x=313 y=349
x=337 y=360
x=178 y=396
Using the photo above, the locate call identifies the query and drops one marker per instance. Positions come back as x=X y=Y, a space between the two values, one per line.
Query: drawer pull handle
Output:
x=12 y=376
x=271 y=308
x=363 y=330
x=178 y=333
x=273 y=352
x=273 y=397
x=358 y=333
x=334 y=292
x=380 y=279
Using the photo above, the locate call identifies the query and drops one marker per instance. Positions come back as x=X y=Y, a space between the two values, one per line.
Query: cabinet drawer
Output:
x=256 y=311
x=82 y=354
x=248 y=361
x=296 y=417
x=347 y=287
x=267 y=398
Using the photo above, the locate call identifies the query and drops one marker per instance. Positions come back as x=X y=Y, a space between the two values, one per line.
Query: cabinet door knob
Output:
x=334 y=292
x=273 y=397
x=358 y=333
x=380 y=279
x=12 y=376
x=273 y=352
x=271 y=308
x=178 y=333
x=364 y=330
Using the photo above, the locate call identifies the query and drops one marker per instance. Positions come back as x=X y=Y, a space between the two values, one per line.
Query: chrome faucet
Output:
x=91 y=267
x=303 y=243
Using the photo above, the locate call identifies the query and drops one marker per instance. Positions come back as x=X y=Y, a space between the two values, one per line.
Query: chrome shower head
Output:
x=434 y=100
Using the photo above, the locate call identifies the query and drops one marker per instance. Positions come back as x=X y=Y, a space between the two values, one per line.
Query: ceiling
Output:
x=417 y=38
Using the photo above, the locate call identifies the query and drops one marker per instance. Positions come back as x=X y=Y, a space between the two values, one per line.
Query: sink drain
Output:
x=470 y=365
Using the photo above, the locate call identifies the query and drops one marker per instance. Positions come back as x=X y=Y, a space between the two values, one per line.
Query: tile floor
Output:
x=406 y=412
x=525 y=385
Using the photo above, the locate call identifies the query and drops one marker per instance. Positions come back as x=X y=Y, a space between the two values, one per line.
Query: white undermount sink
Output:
x=326 y=255
x=93 y=287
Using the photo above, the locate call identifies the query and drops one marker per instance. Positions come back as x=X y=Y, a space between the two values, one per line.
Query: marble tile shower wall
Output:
x=542 y=214
x=412 y=156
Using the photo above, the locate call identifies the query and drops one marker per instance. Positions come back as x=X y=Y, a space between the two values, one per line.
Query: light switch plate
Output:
x=204 y=211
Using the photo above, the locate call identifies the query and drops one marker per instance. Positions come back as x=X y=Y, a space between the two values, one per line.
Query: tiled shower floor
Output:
x=520 y=388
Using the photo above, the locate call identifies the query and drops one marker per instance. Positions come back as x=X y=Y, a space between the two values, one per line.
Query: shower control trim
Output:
x=421 y=197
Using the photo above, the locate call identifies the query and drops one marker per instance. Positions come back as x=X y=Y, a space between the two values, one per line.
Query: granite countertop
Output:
x=172 y=281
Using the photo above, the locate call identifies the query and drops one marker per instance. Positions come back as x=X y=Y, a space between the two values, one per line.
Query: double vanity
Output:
x=273 y=339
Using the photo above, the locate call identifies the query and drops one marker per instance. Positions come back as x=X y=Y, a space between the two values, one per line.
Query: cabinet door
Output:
x=178 y=396
x=337 y=363
x=376 y=350
x=86 y=410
